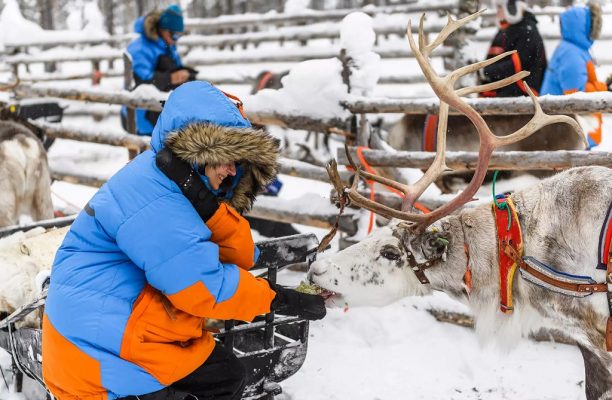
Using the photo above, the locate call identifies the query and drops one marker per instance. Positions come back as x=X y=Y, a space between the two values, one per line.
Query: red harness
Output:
x=508 y=233
x=510 y=248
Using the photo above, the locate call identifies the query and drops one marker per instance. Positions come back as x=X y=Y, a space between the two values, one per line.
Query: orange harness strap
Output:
x=508 y=233
x=369 y=169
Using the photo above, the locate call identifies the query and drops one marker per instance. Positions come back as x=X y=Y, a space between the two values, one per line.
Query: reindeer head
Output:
x=393 y=263
x=384 y=267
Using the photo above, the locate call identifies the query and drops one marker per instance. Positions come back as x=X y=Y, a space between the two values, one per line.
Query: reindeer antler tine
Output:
x=422 y=44
x=468 y=69
x=349 y=157
x=539 y=120
x=493 y=85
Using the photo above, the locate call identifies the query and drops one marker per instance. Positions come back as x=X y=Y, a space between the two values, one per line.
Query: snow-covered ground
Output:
x=396 y=352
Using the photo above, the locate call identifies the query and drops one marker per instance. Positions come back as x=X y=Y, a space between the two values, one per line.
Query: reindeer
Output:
x=25 y=182
x=560 y=219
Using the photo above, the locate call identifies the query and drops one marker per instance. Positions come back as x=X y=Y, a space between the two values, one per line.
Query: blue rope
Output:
x=502 y=204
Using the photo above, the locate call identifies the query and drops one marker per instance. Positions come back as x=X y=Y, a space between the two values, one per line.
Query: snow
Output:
x=395 y=352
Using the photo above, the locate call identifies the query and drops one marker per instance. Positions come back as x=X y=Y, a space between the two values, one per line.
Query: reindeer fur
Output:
x=25 y=187
x=560 y=218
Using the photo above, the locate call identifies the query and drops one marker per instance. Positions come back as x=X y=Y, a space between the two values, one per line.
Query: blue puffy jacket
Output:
x=139 y=271
x=567 y=70
x=146 y=51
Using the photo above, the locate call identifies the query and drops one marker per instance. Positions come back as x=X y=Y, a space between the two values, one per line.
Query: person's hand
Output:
x=178 y=77
x=303 y=305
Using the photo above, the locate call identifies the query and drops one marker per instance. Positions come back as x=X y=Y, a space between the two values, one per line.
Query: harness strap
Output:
x=511 y=252
x=609 y=280
x=605 y=241
x=508 y=233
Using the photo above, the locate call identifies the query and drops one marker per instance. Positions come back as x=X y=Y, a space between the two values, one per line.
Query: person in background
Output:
x=517 y=31
x=155 y=59
x=571 y=67
x=161 y=247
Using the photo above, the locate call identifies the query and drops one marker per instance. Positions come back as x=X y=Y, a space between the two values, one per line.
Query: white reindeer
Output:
x=25 y=182
x=560 y=219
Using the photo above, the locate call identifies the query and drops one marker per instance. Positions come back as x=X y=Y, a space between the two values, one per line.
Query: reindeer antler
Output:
x=444 y=89
x=10 y=86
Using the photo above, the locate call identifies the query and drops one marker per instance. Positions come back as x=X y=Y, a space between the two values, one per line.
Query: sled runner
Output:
x=272 y=347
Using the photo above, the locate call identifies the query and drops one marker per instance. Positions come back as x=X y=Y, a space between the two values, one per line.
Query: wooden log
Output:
x=289 y=34
x=467 y=321
x=132 y=99
x=27 y=59
x=292 y=121
x=320 y=213
x=75 y=41
x=123 y=97
x=47 y=223
x=134 y=142
x=312 y=16
x=579 y=103
x=285 y=56
x=268 y=208
x=305 y=170
x=78 y=179
x=67 y=77
x=467 y=161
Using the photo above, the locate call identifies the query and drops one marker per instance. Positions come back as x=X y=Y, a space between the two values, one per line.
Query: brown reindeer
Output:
x=553 y=239
x=25 y=182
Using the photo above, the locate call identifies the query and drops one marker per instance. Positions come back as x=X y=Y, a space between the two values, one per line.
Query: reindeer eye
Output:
x=390 y=253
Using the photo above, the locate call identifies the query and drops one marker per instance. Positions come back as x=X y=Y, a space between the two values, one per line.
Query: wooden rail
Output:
x=313 y=16
x=579 y=103
x=467 y=161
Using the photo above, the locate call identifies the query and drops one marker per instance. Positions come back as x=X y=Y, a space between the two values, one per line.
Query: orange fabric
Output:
x=429 y=134
x=83 y=378
x=238 y=103
x=167 y=342
x=518 y=67
x=369 y=169
x=232 y=233
x=594 y=85
x=570 y=91
x=253 y=297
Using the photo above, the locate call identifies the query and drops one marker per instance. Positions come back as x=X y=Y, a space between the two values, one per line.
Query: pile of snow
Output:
x=315 y=87
x=15 y=27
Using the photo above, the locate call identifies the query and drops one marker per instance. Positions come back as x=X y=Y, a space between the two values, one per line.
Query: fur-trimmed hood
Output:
x=203 y=126
x=147 y=25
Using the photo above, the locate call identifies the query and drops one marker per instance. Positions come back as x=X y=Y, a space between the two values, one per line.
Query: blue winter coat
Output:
x=567 y=70
x=138 y=272
x=145 y=52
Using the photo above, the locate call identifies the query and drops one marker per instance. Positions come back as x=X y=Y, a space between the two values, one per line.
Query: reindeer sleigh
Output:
x=272 y=347
x=557 y=234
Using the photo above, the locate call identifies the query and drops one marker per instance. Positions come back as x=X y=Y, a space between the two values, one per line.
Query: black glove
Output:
x=303 y=305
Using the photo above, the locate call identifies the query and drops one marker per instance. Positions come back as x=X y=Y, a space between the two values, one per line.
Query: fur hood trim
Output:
x=256 y=151
x=150 y=24
x=596 y=19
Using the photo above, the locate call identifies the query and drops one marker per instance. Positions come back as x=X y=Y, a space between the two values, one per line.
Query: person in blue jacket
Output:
x=161 y=247
x=155 y=59
x=571 y=68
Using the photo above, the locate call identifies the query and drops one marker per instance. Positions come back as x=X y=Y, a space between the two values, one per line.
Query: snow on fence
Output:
x=468 y=161
x=312 y=16
x=133 y=99
x=578 y=103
